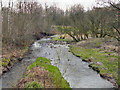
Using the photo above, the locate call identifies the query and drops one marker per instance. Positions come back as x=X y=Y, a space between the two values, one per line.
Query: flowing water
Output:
x=73 y=69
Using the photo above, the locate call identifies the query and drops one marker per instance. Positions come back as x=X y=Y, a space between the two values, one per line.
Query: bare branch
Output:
x=116 y=30
x=114 y=6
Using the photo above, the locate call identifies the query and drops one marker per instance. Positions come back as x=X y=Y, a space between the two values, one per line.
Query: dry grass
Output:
x=38 y=74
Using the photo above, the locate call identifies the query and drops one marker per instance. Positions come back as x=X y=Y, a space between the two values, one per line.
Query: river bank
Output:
x=73 y=69
x=41 y=74
x=102 y=56
x=100 y=53
x=14 y=54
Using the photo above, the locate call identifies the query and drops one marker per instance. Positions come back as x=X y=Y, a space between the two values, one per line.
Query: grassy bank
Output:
x=10 y=57
x=42 y=74
x=14 y=53
x=104 y=61
x=63 y=37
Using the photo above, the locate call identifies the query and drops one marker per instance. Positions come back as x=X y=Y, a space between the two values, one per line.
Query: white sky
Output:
x=67 y=3
x=63 y=4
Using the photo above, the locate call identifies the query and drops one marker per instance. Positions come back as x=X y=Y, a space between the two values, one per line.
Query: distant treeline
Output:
x=20 y=26
x=98 y=22
x=30 y=19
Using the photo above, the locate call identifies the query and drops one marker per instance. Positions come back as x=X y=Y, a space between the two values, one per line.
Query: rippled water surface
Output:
x=73 y=69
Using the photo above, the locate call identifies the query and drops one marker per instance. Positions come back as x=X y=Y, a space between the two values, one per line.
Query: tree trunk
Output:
x=73 y=38
x=81 y=37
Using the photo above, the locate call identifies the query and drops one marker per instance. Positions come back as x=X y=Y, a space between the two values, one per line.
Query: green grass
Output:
x=97 y=42
x=26 y=48
x=5 y=62
x=108 y=66
x=0 y=62
x=33 y=84
x=59 y=39
x=59 y=81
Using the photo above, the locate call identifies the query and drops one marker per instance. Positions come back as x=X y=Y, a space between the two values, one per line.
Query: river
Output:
x=73 y=69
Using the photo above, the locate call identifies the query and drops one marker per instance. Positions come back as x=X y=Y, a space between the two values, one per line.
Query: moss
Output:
x=13 y=57
x=33 y=84
x=41 y=61
x=25 y=48
x=118 y=82
x=95 y=67
x=106 y=66
x=55 y=74
x=59 y=39
x=5 y=62
x=0 y=63
x=97 y=42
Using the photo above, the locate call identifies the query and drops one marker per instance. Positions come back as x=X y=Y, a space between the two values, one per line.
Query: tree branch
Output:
x=116 y=30
x=115 y=6
x=113 y=37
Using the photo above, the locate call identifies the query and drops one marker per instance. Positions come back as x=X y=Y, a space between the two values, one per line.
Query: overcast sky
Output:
x=63 y=4
x=67 y=3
